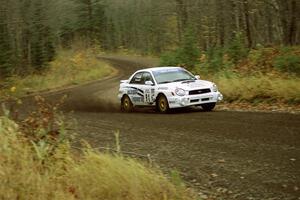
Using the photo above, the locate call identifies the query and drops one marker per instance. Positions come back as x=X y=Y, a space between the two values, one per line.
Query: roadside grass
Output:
x=265 y=75
x=38 y=162
x=70 y=67
x=258 y=88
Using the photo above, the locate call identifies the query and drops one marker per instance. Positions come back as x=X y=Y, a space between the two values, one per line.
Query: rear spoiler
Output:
x=124 y=81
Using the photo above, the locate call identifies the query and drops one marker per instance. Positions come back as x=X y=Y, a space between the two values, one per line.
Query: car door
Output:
x=149 y=90
x=135 y=89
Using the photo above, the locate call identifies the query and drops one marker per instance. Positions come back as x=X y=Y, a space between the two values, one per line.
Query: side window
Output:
x=137 y=79
x=146 y=77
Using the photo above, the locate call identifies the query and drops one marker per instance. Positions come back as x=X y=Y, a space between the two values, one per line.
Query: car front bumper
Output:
x=192 y=100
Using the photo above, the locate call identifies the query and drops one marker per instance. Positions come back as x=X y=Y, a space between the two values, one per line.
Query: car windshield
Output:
x=172 y=75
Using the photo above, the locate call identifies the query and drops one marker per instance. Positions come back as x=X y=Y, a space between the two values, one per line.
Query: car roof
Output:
x=152 y=69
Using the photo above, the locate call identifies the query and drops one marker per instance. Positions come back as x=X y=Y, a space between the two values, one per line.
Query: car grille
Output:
x=201 y=91
x=195 y=100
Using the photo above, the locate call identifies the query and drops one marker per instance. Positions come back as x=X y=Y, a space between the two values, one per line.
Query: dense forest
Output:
x=32 y=30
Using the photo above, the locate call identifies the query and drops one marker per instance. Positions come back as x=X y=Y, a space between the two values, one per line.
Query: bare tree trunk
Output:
x=90 y=18
x=182 y=16
x=247 y=20
x=293 y=25
x=220 y=21
x=237 y=15
x=288 y=17
x=269 y=21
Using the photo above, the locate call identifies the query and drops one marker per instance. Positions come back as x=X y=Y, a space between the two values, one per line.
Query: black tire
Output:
x=162 y=104
x=126 y=104
x=208 y=106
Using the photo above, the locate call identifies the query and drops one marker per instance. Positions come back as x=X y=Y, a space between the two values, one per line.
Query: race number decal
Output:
x=147 y=96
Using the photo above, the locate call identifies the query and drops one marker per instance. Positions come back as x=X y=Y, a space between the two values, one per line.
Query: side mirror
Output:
x=149 y=83
x=197 y=77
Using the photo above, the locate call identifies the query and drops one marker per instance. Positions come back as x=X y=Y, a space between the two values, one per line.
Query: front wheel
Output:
x=126 y=105
x=162 y=104
x=208 y=106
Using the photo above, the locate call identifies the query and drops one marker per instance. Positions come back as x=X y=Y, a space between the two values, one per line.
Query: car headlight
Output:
x=215 y=88
x=180 y=92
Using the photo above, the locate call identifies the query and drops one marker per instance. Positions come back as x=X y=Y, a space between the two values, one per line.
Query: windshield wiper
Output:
x=178 y=80
x=188 y=80
x=164 y=82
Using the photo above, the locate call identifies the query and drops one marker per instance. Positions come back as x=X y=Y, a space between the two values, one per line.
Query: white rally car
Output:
x=166 y=88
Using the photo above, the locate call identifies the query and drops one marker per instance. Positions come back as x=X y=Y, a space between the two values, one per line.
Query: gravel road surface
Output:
x=222 y=154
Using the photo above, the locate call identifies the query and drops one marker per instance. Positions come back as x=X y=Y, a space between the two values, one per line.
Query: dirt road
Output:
x=227 y=155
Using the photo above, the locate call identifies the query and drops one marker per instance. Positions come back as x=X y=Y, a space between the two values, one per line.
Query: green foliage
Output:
x=237 y=49
x=288 y=63
x=219 y=58
x=27 y=42
x=6 y=64
x=214 y=60
x=176 y=178
x=171 y=58
x=271 y=59
x=91 y=21
x=5 y=46
x=42 y=47
x=31 y=30
x=186 y=55
x=189 y=52
x=42 y=50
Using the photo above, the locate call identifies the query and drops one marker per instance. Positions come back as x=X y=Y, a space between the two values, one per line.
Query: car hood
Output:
x=194 y=85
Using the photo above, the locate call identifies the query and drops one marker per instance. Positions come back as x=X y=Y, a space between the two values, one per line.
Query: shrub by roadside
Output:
x=37 y=162
x=258 y=88
x=263 y=75
x=70 y=67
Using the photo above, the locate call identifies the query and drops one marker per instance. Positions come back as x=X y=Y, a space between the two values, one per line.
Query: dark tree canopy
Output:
x=32 y=30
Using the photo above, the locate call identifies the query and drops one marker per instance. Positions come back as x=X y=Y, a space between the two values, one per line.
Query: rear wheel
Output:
x=126 y=105
x=208 y=106
x=162 y=104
